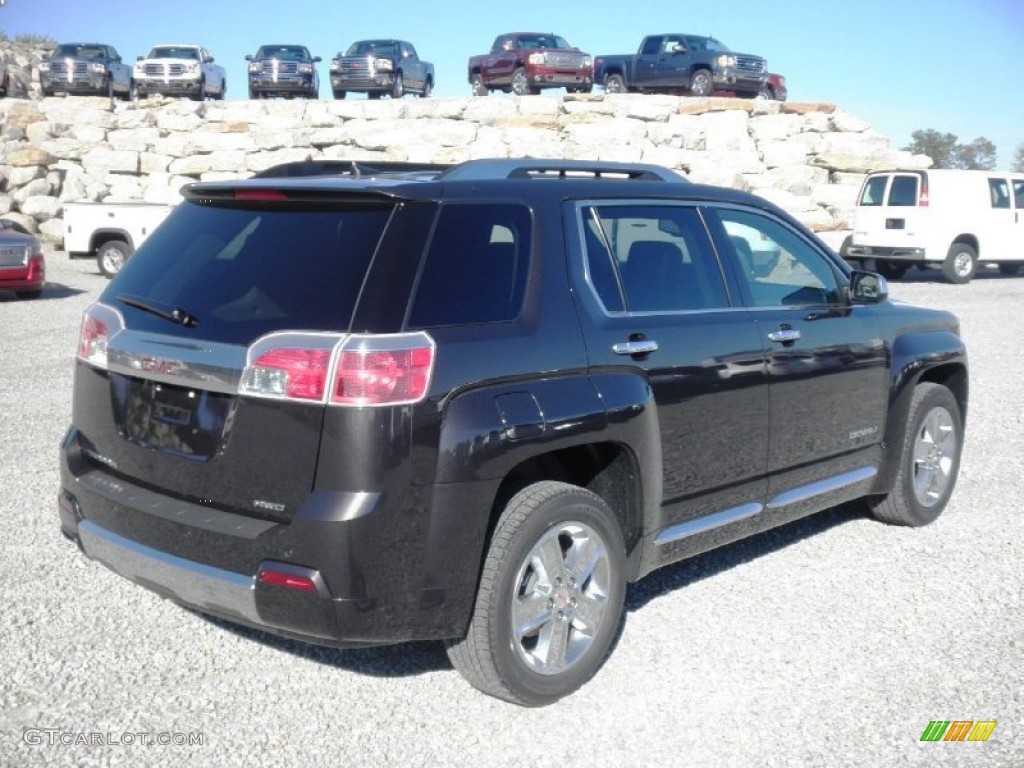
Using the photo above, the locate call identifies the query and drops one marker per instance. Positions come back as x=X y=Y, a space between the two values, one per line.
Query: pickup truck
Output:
x=86 y=68
x=283 y=70
x=180 y=70
x=376 y=67
x=670 y=63
x=526 y=62
x=110 y=232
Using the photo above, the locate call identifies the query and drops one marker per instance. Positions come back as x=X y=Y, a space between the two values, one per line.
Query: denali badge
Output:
x=857 y=434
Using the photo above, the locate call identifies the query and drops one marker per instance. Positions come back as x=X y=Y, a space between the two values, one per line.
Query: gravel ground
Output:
x=832 y=641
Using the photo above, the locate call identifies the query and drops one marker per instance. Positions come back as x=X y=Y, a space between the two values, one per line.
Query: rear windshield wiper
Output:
x=175 y=315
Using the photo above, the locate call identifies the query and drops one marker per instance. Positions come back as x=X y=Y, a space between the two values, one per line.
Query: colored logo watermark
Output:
x=958 y=730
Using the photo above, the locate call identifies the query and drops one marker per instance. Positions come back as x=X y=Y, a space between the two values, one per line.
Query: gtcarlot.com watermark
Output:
x=56 y=737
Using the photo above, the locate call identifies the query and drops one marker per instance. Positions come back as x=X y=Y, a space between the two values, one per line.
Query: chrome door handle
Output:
x=635 y=347
x=784 y=335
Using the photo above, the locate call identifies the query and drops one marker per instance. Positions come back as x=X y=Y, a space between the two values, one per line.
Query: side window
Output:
x=779 y=267
x=1018 y=192
x=903 y=191
x=652 y=46
x=874 y=191
x=651 y=259
x=476 y=266
x=999 y=191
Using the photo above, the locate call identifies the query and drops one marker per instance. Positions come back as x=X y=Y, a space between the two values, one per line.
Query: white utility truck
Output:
x=110 y=231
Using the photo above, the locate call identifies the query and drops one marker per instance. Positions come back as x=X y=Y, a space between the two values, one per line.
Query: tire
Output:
x=929 y=460
x=28 y=295
x=961 y=263
x=252 y=94
x=133 y=92
x=428 y=87
x=201 y=93
x=557 y=560
x=223 y=92
x=340 y=94
x=521 y=84
x=766 y=93
x=1010 y=268
x=110 y=89
x=701 y=83
x=891 y=270
x=615 y=84
x=398 y=87
x=477 y=84
x=111 y=256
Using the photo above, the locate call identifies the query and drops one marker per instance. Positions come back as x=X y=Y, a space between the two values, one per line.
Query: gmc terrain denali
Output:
x=472 y=404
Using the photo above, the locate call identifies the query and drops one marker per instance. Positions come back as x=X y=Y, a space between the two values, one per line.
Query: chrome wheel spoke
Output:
x=530 y=613
x=588 y=612
x=934 y=453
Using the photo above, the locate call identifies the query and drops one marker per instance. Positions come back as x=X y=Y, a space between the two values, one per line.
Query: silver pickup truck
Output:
x=180 y=70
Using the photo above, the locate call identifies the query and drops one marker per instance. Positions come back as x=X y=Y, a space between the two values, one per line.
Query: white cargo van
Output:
x=939 y=218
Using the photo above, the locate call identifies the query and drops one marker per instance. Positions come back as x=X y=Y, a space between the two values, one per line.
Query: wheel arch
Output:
x=948 y=366
x=967 y=238
x=102 y=236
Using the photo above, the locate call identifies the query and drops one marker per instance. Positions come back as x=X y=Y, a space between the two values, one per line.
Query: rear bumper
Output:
x=892 y=253
x=384 y=572
x=28 y=278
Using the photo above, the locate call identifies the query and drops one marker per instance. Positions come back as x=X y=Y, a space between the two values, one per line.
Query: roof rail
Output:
x=354 y=168
x=542 y=168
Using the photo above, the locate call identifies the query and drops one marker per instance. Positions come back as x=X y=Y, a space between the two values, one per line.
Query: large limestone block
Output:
x=727 y=131
x=109 y=160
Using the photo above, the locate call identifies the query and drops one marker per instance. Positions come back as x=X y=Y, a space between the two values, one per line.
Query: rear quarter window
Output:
x=476 y=267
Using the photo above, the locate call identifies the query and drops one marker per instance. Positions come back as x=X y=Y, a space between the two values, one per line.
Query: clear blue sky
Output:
x=951 y=65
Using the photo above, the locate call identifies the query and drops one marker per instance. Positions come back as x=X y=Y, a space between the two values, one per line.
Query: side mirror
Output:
x=867 y=287
x=209 y=59
x=316 y=58
x=249 y=57
x=140 y=58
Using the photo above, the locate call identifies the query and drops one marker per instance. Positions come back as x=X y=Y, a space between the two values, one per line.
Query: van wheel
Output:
x=961 y=263
x=111 y=257
x=929 y=460
x=549 y=605
x=1010 y=268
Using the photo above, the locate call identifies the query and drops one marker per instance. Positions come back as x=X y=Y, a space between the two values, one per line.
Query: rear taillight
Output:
x=99 y=325
x=383 y=370
x=292 y=373
x=355 y=370
x=922 y=197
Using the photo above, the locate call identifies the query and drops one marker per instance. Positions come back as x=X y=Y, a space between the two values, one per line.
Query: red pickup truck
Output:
x=526 y=62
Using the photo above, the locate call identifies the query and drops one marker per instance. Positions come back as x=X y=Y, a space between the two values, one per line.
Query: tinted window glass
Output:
x=903 y=191
x=476 y=267
x=779 y=267
x=660 y=255
x=874 y=191
x=1018 y=193
x=1000 y=193
x=243 y=272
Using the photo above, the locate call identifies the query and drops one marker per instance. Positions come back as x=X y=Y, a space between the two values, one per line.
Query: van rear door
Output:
x=1005 y=220
x=889 y=211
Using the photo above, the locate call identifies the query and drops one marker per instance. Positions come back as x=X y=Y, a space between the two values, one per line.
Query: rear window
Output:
x=874 y=191
x=903 y=191
x=244 y=272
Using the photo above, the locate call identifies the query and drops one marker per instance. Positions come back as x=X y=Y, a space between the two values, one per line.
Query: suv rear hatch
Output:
x=203 y=367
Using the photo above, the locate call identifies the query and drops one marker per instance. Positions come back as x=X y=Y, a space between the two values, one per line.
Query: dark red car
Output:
x=22 y=266
x=525 y=62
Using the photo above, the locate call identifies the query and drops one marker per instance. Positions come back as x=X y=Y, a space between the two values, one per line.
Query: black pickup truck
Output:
x=681 y=63
x=378 y=67
x=471 y=404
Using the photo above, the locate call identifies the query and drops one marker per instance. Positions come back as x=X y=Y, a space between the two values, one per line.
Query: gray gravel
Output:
x=832 y=641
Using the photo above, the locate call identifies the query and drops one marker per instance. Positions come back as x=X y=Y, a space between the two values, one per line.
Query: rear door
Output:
x=890 y=213
x=654 y=304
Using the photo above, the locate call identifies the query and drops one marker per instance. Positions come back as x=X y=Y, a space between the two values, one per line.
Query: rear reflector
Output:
x=287 y=580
